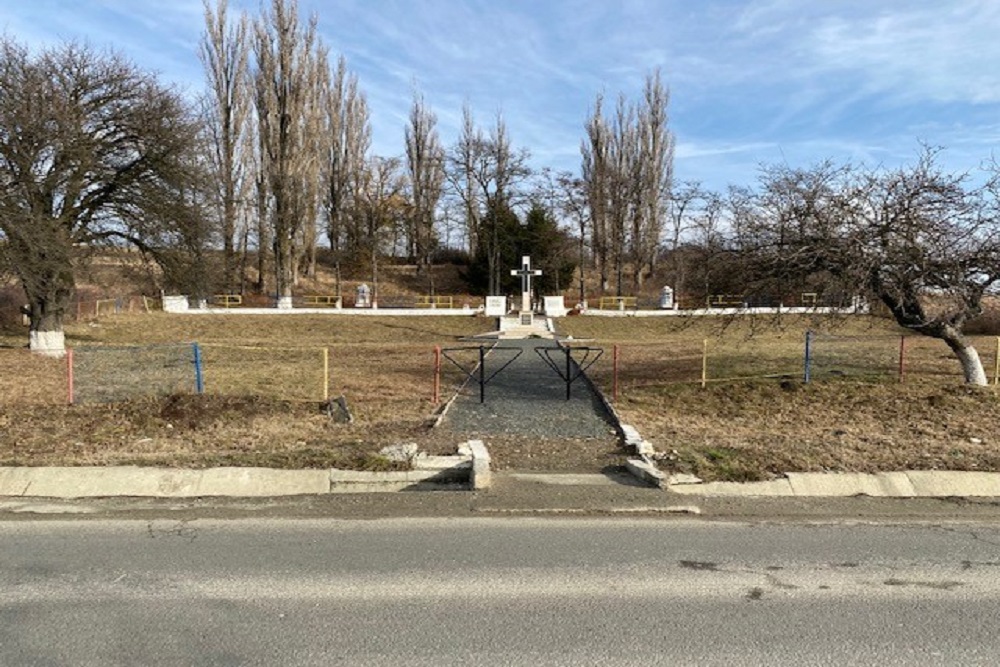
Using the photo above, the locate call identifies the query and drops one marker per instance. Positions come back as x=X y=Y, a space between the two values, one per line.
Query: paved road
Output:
x=497 y=592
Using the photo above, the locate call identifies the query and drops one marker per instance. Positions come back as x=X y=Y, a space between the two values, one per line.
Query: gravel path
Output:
x=529 y=398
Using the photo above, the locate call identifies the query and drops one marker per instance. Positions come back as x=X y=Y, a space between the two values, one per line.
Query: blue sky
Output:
x=752 y=82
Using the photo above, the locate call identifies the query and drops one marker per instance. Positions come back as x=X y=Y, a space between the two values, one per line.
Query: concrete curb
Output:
x=482 y=477
x=646 y=472
x=474 y=473
x=903 y=484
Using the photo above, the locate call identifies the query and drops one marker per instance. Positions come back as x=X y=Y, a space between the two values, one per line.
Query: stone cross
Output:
x=526 y=272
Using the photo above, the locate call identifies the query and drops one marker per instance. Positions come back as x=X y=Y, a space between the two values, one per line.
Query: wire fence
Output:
x=110 y=374
x=104 y=374
x=292 y=373
x=816 y=357
x=92 y=374
x=85 y=309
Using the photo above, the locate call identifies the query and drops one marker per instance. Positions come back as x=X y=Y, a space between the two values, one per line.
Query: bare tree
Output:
x=91 y=148
x=564 y=194
x=380 y=208
x=486 y=173
x=924 y=242
x=461 y=171
x=610 y=170
x=596 y=171
x=687 y=201
x=224 y=51
x=348 y=131
x=286 y=78
x=654 y=173
x=425 y=170
x=627 y=170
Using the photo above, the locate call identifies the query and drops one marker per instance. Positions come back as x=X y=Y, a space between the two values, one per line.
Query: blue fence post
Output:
x=199 y=378
x=808 y=362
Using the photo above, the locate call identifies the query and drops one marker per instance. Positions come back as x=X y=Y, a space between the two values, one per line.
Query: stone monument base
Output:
x=48 y=343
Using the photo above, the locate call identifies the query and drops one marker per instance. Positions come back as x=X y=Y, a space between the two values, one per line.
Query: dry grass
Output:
x=383 y=366
x=857 y=416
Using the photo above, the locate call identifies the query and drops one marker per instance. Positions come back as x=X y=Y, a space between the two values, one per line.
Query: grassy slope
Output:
x=861 y=420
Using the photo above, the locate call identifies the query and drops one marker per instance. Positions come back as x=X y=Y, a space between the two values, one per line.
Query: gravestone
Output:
x=363 y=297
x=496 y=306
x=555 y=306
x=667 y=298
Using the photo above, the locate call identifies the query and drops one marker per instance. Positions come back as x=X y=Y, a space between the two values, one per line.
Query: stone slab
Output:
x=938 y=483
x=555 y=306
x=631 y=435
x=496 y=306
x=482 y=476
x=442 y=463
x=646 y=472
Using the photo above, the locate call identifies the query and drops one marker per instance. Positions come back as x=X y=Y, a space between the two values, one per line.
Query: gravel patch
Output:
x=528 y=398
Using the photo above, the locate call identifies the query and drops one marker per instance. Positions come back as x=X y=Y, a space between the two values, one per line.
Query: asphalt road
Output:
x=497 y=592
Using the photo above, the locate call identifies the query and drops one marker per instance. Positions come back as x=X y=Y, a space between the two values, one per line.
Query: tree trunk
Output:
x=46 y=330
x=968 y=356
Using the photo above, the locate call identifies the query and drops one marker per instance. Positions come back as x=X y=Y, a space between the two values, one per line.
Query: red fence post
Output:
x=69 y=376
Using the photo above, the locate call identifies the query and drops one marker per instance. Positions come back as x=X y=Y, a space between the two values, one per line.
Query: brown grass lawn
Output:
x=855 y=415
x=383 y=366
x=754 y=418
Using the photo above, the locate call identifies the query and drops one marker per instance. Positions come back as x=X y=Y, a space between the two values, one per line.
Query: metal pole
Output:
x=569 y=378
x=614 y=374
x=482 y=374
x=199 y=379
x=902 y=357
x=326 y=374
x=437 y=374
x=704 y=363
x=69 y=375
x=807 y=374
x=996 y=368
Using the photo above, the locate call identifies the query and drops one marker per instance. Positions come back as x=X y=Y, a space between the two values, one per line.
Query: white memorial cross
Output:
x=525 y=272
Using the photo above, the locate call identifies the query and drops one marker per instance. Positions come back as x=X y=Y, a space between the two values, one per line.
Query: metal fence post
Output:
x=807 y=374
x=69 y=375
x=569 y=376
x=326 y=374
x=704 y=363
x=199 y=378
x=482 y=374
x=437 y=374
x=996 y=368
x=614 y=376
x=902 y=357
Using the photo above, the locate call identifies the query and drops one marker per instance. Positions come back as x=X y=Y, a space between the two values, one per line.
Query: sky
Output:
x=752 y=82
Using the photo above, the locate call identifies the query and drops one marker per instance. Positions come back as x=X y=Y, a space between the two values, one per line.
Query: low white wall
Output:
x=700 y=312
